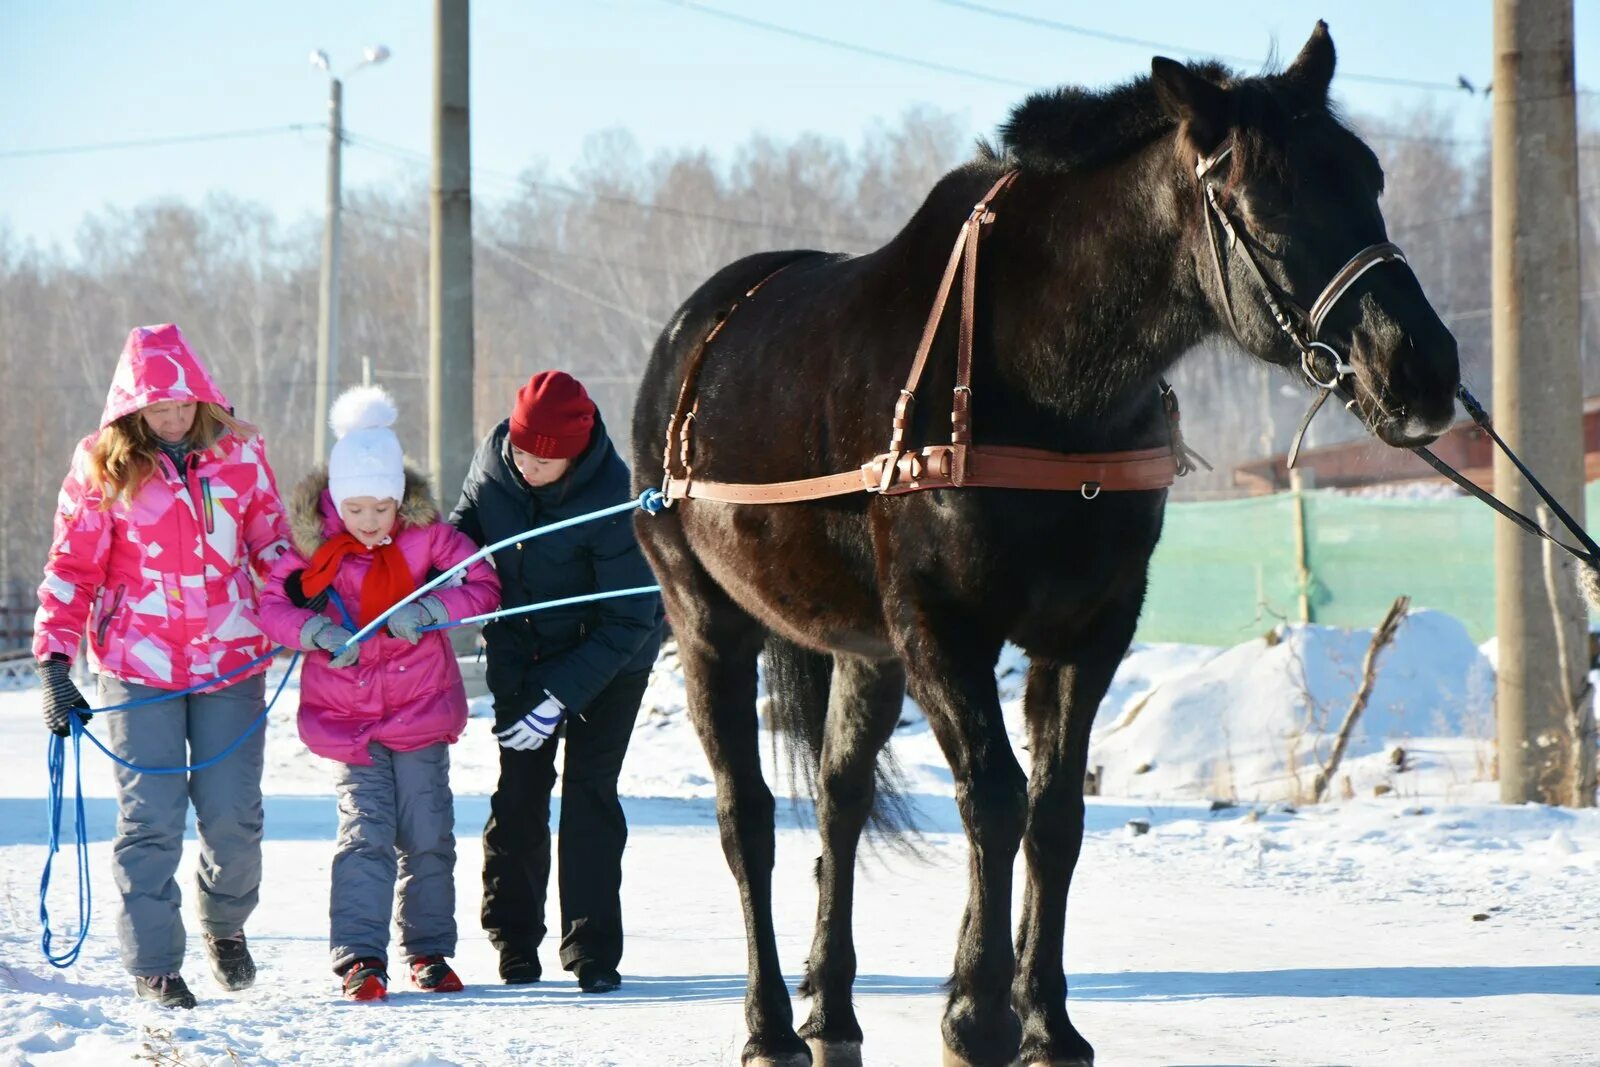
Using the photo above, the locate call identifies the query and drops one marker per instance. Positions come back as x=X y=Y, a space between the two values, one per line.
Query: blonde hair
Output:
x=123 y=456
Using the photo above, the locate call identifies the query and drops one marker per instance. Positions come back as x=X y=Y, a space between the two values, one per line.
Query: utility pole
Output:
x=450 y=377
x=328 y=301
x=1539 y=615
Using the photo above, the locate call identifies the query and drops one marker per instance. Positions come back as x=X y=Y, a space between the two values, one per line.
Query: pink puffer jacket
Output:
x=401 y=695
x=163 y=581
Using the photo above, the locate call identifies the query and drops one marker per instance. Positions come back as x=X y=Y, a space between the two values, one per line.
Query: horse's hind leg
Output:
x=953 y=679
x=718 y=644
x=1061 y=702
x=863 y=708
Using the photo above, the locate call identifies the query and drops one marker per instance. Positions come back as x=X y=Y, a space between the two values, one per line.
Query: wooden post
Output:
x=1537 y=390
x=1299 y=482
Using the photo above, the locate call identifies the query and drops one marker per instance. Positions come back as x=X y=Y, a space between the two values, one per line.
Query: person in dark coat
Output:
x=576 y=673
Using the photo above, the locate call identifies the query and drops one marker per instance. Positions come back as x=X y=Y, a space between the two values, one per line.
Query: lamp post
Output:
x=328 y=303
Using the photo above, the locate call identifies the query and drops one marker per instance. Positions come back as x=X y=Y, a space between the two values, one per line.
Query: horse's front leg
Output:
x=954 y=683
x=1061 y=702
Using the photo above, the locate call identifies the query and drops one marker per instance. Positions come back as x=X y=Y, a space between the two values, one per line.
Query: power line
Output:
x=862 y=50
x=157 y=142
x=1144 y=42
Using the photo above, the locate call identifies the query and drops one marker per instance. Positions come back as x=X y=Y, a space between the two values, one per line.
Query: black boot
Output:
x=518 y=967
x=167 y=990
x=231 y=962
x=598 y=980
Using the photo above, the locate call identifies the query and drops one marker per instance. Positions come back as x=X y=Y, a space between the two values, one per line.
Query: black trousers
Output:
x=516 y=841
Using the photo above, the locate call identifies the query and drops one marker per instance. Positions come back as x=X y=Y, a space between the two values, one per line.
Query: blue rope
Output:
x=647 y=500
x=56 y=760
x=78 y=727
x=651 y=501
x=543 y=606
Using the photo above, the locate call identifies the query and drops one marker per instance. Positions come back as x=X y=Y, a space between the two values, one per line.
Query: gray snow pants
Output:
x=396 y=820
x=153 y=808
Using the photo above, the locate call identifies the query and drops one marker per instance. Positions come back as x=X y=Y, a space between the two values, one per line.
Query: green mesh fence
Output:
x=1226 y=571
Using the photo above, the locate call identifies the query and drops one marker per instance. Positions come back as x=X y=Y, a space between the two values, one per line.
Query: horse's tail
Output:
x=798 y=683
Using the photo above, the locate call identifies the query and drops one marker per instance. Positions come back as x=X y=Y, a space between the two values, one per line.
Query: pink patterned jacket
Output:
x=164 y=581
x=403 y=696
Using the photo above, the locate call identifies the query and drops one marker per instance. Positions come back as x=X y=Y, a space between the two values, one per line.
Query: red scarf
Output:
x=388 y=580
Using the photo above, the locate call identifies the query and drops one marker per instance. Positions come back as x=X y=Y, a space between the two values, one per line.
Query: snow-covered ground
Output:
x=1426 y=925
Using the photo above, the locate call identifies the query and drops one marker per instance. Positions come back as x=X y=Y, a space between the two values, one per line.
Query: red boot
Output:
x=366 y=980
x=432 y=974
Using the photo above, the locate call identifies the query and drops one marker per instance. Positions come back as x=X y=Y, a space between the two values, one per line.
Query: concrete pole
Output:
x=450 y=425
x=1537 y=392
x=328 y=304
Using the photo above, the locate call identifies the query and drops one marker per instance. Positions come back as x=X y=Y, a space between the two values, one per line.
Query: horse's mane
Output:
x=1073 y=128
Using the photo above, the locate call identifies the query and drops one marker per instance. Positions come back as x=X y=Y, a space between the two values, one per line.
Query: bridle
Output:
x=1323 y=366
x=1329 y=372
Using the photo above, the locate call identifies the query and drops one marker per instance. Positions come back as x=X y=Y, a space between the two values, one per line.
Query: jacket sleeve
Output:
x=624 y=624
x=76 y=567
x=480 y=591
x=281 y=619
x=266 y=531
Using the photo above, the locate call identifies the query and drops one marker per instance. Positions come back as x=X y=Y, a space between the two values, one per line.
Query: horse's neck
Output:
x=1091 y=288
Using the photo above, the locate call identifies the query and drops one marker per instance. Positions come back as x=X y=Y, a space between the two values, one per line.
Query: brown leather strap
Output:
x=938 y=466
x=956 y=465
x=683 y=411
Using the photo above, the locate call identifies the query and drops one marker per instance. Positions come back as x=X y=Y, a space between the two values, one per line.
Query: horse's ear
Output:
x=1201 y=105
x=1312 y=69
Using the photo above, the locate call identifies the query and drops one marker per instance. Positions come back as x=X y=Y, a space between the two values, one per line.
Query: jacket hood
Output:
x=313 y=518
x=157 y=365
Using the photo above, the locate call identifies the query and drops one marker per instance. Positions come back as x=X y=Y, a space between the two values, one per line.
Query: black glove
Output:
x=61 y=697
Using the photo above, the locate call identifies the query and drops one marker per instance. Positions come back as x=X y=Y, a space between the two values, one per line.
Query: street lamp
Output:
x=328 y=309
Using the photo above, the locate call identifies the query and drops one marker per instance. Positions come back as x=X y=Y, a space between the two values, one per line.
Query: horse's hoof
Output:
x=835 y=1053
x=789 y=1059
x=1077 y=1061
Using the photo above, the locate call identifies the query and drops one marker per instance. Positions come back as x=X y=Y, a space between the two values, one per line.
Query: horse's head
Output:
x=1290 y=243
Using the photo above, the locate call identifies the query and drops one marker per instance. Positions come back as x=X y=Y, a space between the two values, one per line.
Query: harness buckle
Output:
x=1086 y=492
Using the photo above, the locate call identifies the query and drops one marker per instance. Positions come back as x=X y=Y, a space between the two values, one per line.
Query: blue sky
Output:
x=547 y=75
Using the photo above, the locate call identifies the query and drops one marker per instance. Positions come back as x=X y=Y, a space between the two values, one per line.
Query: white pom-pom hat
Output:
x=367 y=459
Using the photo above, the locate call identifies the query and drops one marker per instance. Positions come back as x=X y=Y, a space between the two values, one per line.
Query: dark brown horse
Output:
x=1105 y=263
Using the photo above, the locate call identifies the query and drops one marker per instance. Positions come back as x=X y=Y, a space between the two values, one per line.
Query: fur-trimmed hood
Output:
x=313 y=519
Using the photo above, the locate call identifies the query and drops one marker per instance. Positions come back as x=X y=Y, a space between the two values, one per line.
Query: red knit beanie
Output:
x=553 y=417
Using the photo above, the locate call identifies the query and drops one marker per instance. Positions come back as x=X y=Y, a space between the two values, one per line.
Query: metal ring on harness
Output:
x=1084 y=490
x=1341 y=369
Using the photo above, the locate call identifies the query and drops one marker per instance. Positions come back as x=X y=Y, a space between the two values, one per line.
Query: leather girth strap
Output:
x=897 y=470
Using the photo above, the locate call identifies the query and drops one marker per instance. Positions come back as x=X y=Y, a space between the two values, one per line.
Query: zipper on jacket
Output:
x=108 y=615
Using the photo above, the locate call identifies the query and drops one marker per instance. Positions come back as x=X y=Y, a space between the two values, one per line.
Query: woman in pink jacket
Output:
x=366 y=535
x=167 y=522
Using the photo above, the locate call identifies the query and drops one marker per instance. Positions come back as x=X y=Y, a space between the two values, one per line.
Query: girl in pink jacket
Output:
x=367 y=533
x=167 y=522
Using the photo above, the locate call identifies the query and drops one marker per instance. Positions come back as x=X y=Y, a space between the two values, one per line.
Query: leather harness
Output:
x=959 y=464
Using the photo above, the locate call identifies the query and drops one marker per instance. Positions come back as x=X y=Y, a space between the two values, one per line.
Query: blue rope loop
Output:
x=651 y=501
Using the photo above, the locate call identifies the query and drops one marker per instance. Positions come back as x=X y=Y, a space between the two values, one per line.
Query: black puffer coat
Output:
x=573 y=652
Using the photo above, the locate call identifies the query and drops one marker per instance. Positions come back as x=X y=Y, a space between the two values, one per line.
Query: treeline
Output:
x=581 y=273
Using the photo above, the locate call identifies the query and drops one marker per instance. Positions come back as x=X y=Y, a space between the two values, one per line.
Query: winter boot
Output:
x=167 y=990
x=231 y=962
x=432 y=974
x=366 y=980
x=598 y=980
x=519 y=968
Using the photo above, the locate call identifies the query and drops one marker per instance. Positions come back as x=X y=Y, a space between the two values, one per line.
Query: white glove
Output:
x=322 y=632
x=534 y=728
x=407 y=622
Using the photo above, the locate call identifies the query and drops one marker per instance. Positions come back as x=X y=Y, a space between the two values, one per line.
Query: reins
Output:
x=1303 y=327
